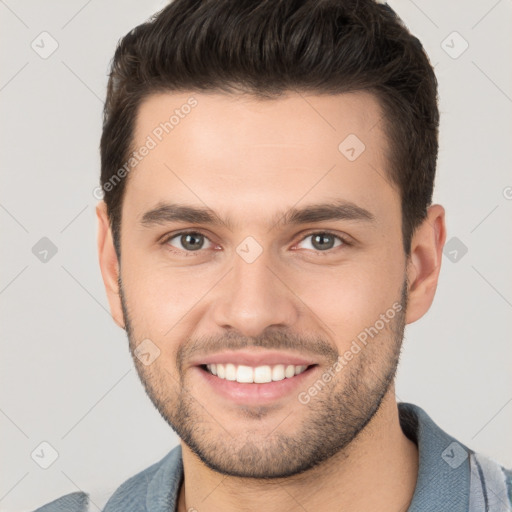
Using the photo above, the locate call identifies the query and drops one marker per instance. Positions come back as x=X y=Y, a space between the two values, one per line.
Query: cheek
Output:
x=153 y=295
x=340 y=300
x=350 y=298
x=164 y=300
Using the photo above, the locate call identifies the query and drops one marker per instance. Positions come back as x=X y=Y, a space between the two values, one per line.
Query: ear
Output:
x=109 y=264
x=424 y=262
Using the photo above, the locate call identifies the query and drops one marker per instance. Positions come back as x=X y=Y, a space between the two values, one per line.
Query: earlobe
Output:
x=424 y=263
x=109 y=264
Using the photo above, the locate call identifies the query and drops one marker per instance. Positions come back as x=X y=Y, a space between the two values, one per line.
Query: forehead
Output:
x=227 y=150
x=293 y=119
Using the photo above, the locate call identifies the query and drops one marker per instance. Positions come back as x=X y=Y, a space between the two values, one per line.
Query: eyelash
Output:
x=344 y=242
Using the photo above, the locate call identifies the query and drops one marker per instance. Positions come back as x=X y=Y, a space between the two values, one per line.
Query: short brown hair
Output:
x=266 y=48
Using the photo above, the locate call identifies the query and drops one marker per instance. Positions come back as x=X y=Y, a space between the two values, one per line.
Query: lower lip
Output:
x=251 y=393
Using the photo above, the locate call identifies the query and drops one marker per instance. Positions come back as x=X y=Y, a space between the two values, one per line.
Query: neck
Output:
x=377 y=471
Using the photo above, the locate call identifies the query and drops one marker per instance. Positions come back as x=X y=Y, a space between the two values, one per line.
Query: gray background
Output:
x=66 y=374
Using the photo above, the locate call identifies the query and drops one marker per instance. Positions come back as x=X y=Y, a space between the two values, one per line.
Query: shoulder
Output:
x=134 y=495
x=490 y=484
x=158 y=482
x=73 y=502
x=131 y=495
x=451 y=475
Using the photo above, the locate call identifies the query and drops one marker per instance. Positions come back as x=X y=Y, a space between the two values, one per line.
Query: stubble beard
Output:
x=326 y=425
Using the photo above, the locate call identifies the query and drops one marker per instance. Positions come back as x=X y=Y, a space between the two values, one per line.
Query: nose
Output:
x=253 y=297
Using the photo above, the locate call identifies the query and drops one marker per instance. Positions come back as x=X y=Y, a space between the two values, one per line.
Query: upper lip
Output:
x=253 y=358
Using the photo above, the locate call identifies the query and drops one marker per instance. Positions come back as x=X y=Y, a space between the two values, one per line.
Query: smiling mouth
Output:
x=255 y=374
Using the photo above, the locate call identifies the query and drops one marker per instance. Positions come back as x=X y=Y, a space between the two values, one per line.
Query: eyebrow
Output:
x=165 y=213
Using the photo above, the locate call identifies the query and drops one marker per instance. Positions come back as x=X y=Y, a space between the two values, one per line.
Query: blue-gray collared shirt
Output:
x=451 y=477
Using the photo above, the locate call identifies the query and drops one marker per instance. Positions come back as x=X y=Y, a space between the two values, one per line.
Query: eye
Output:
x=193 y=241
x=324 y=241
x=189 y=241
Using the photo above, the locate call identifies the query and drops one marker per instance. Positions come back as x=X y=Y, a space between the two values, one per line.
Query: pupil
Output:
x=322 y=238
x=188 y=241
x=193 y=242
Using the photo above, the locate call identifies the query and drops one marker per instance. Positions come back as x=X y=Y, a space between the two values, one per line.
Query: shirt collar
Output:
x=444 y=467
x=443 y=475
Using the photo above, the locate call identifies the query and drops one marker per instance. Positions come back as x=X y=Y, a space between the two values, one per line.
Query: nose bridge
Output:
x=252 y=298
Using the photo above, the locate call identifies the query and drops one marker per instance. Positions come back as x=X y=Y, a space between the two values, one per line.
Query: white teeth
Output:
x=258 y=375
x=299 y=369
x=262 y=374
x=230 y=372
x=244 y=374
x=278 y=372
x=289 y=371
x=221 y=371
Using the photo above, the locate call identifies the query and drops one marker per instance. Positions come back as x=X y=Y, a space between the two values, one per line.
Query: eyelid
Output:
x=166 y=238
x=345 y=239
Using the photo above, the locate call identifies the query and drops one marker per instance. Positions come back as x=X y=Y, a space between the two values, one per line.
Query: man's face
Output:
x=262 y=291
